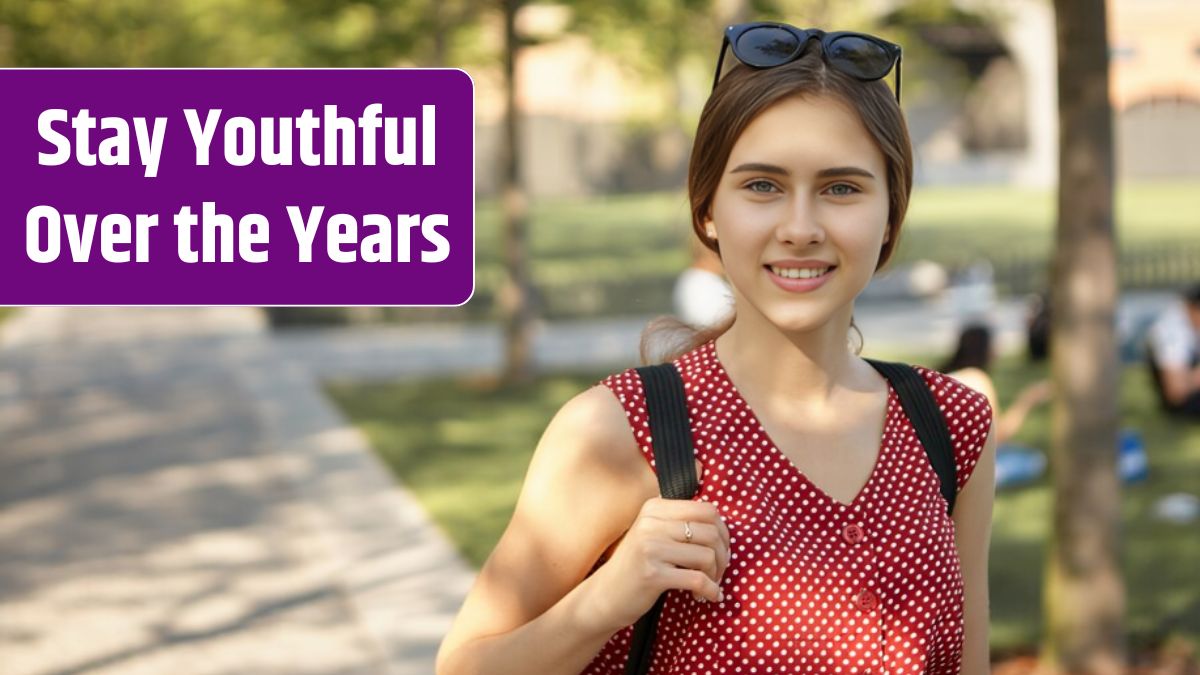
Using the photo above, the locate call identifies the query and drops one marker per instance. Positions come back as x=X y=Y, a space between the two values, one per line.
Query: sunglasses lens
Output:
x=860 y=57
x=765 y=46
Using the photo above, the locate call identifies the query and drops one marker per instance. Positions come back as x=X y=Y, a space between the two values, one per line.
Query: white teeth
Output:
x=799 y=273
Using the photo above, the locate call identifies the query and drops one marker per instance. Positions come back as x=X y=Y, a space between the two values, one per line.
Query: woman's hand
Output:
x=655 y=556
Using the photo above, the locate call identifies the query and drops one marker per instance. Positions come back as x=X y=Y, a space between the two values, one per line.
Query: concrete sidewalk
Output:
x=177 y=498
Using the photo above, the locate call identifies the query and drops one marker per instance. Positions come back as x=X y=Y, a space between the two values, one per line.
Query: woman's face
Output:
x=801 y=213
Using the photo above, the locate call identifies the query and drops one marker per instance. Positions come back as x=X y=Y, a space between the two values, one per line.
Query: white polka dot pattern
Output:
x=814 y=585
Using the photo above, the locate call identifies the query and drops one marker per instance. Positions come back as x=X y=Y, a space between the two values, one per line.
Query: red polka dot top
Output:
x=814 y=585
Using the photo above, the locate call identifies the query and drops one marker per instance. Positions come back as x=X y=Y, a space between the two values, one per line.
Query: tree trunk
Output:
x=1084 y=592
x=441 y=28
x=515 y=300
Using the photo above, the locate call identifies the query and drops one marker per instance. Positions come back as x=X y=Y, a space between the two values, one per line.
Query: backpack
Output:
x=674 y=457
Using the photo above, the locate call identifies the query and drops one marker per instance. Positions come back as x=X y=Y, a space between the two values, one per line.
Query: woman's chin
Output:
x=795 y=322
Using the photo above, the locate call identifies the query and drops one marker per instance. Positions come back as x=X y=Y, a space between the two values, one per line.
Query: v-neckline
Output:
x=773 y=447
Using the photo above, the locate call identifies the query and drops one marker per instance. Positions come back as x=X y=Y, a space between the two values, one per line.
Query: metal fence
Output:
x=1141 y=267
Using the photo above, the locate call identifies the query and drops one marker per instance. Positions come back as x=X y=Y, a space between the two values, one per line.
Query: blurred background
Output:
x=310 y=489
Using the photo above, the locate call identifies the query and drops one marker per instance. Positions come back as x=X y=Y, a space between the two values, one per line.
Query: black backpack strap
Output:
x=666 y=405
x=927 y=419
x=674 y=463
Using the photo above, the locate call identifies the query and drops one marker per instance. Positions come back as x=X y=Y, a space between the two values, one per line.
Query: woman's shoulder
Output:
x=627 y=390
x=627 y=385
x=974 y=379
x=969 y=389
x=588 y=457
x=623 y=386
x=968 y=416
x=597 y=421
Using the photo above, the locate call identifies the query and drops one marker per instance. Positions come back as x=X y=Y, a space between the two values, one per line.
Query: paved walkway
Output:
x=177 y=496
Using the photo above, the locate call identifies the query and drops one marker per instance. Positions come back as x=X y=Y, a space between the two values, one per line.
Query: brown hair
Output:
x=740 y=97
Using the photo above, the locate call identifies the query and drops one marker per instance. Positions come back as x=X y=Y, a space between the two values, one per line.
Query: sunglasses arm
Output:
x=720 y=61
x=899 y=58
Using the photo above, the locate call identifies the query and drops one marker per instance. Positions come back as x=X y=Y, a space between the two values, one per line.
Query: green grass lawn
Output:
x=463 y=451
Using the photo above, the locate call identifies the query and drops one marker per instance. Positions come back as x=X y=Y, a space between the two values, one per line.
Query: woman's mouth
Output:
x=799 y=279
x=800 y=272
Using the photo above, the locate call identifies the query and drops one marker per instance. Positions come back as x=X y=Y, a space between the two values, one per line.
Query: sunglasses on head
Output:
x=768 y=44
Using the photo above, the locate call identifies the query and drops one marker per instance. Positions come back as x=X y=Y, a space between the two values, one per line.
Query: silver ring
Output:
x=687 y=531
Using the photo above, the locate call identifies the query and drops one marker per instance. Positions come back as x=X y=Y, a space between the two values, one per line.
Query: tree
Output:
x=1084 y=593
x=516 y=300
x=223 y=33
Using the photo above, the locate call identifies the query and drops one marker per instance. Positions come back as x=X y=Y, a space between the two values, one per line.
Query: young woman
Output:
x=819 y=541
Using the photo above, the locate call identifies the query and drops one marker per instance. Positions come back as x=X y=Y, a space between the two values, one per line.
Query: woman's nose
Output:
x=800 y=226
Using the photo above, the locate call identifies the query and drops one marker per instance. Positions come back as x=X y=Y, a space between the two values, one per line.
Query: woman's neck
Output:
x=793 y=369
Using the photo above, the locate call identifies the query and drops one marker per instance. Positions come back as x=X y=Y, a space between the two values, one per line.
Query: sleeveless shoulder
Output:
x=627 y=387
x=968 y=416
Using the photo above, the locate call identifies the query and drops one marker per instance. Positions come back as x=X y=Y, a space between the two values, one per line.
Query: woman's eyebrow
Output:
x=845 y=171
x=760 y=167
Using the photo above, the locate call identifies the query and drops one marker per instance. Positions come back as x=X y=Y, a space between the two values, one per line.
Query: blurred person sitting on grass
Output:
x=819 y=539
x=1173 y=355
x=971 y=363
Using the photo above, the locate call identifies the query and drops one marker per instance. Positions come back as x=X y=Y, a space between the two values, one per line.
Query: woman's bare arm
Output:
x=973 y=528
x=533 y=608
x=1009 y=423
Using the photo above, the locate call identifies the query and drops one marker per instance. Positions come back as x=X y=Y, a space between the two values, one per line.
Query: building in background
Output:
x=1155 y=52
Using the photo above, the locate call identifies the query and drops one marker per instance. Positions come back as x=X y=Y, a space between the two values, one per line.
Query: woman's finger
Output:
x=691 y=556
x=724 y=529
x=699 y=584
x=705 y=534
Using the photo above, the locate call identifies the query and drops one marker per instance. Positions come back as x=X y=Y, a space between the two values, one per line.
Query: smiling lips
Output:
x=800 y=277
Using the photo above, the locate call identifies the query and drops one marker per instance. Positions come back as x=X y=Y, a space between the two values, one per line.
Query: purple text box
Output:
x=415 y=202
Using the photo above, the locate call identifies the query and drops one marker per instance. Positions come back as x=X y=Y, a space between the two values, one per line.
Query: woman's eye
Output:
x=761 y=186
x=842 y=190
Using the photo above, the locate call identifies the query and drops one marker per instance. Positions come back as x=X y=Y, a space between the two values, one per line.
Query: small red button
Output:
x=866 y=600
x=853 y=534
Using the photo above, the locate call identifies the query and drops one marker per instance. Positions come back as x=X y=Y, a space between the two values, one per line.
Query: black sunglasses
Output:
x=767 y=45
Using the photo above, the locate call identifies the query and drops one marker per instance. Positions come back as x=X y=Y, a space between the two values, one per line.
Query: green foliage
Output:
x=463 y=450
x=224 y=33
x=934 y=12
x=651 y=37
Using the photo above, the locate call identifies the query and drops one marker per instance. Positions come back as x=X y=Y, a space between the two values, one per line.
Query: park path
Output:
x=178 y=496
